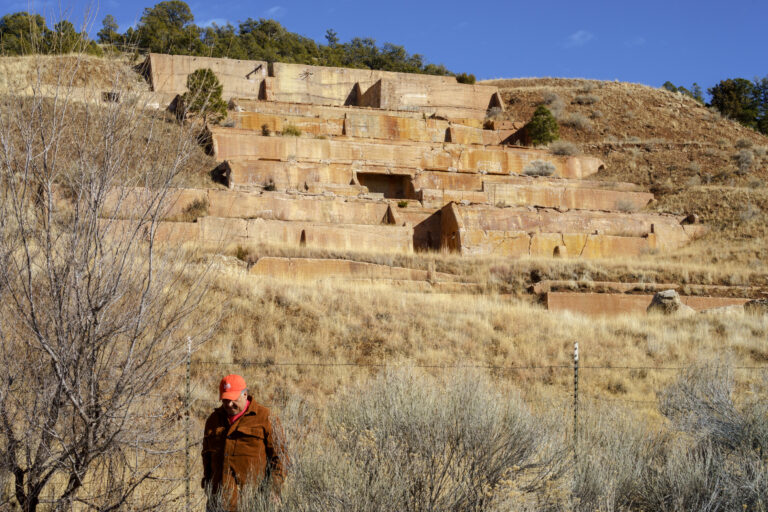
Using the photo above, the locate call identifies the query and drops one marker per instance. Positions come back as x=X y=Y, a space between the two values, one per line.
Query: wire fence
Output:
x=567 y=397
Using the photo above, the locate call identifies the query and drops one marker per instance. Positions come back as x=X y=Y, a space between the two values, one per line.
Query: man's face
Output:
x=235 y=407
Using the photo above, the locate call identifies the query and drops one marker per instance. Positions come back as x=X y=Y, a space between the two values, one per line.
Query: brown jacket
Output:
x=243 y=453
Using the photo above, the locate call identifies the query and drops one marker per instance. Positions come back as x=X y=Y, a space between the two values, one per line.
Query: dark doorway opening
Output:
x=393 y=186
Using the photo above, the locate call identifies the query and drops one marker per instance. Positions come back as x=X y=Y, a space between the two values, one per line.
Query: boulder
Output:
x=757 y=307
x=668 y=302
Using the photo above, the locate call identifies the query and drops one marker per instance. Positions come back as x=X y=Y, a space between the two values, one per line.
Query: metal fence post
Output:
x=187 y=401
x=575 y=399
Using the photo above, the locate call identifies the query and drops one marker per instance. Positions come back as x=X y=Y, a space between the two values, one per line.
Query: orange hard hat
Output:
x=231 y=387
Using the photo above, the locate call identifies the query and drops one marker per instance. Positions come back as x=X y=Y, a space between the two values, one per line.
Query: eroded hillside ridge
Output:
x=344 y=159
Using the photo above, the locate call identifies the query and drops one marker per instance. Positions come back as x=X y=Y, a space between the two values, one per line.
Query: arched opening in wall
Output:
x=560 y=252
x=303 y=239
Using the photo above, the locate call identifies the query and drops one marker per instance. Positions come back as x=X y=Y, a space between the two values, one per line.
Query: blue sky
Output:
x=648 y=42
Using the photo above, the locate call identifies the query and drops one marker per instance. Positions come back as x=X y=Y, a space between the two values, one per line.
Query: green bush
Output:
x=291 y=130
x=542 y=128
x=465 y=78
x=203 y=96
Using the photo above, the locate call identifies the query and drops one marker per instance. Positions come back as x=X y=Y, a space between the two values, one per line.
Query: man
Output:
x=242 y=445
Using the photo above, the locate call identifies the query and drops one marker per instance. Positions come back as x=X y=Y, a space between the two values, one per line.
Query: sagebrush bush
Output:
x=563 y=148
x=586 y=99
x=539 y=168
x=195 y=209
x=577 y=121
x=744 y=159
x=542 y=128
x=408 y=441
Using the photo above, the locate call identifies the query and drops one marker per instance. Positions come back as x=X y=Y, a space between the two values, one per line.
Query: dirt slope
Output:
x=692 y=158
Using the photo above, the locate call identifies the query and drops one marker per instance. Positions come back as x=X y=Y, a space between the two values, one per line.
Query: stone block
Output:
x=168 y=73
x=285 y=175
x=609 y=304
x=313 y=268
x=231 y=143
x=225 y=203
x=276 y=123
x=300 y=83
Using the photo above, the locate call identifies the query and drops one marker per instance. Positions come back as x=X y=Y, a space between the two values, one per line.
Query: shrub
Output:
x=577 y=121
x=265 y=131
x=195 y=209
x=464 y=78
x=539 y=168
x=626 y=206
x=744 y=159
x=203 y=96
x=743 y=144
x=542 y=128
x=563 y=148
x=402 y=204
x=408 y=441
x=291 y=130
x=586 y=99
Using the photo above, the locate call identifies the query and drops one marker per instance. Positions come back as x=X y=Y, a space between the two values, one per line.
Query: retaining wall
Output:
x=312 y=268
x=230 y=144
x=595 y=304
x=168 y=73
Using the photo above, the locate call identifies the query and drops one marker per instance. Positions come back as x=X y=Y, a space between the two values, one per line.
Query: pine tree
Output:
x=542 y=128
x=204 y=96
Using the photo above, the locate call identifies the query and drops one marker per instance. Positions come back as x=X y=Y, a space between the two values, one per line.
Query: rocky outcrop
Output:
x=757 y=307
x=668 y=303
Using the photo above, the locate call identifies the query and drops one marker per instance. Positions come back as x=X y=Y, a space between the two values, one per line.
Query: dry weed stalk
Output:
x=93 y=320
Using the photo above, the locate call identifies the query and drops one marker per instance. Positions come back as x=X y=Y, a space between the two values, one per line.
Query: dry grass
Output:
x=279 y=321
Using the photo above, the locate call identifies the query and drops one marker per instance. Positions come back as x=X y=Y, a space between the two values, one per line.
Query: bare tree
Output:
x=94 y=310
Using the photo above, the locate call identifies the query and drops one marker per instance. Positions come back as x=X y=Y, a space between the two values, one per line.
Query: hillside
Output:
x=689 y=156
x=346 y=250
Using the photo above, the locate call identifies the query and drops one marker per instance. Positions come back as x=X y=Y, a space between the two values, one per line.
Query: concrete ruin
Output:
x=351 y=159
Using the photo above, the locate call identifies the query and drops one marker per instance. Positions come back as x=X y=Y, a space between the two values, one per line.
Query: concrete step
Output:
x=599 y=304
x=235 y=144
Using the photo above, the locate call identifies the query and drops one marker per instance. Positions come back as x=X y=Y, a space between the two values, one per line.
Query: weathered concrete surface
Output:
x=512 y=194
x=546 y=220
x=616 y=287
x=444 y=99
x=168 y=73
x=128 y=202
x=313 y=268
x=165 y=232
x=350 y=237
x=320 y=111
x=586 y=234
x=225 y=203
x=231 y=144
x=284 y=175
x=595 y=304
x=277 y=123
x=228 y=203
x=388 y=127
x=465 y=181
x=299 y=83
x=563 y=195
x=434 y=198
